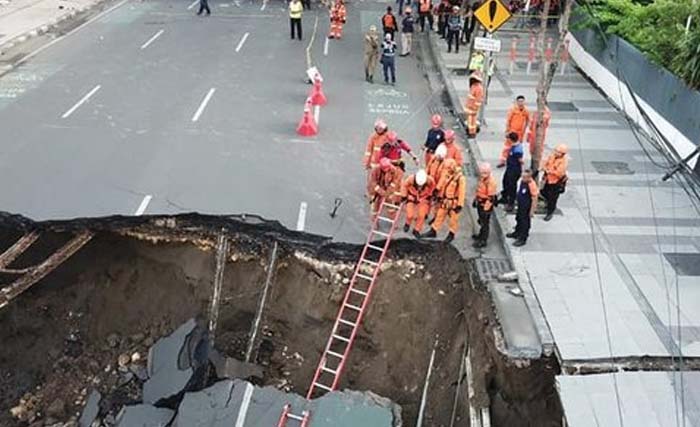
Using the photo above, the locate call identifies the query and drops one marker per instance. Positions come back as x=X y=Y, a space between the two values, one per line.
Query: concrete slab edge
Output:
x=515 y=256
x=46 y=27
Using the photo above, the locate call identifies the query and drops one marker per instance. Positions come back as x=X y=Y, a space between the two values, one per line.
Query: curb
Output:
x=514 y=255
x=45 y=28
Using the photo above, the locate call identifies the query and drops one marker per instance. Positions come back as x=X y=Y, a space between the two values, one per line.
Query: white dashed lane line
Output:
x=301 y=220
x=194 y=3
x=144 y=204
x=152 y=39
x=240 y=43
x=81 y=102
x=203 y=105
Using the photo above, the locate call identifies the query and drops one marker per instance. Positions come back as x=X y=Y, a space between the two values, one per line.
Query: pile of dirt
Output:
x=139 y=279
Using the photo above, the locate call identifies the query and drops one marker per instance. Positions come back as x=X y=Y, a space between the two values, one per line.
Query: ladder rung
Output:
x=372 y=263
x=357 y=291
x=366 y=277
x=329 y=370
x=347 y=322
x=381 y=233
x=390 y=205
x=354 y=307
x=383 y=218
x=323 y=386
x=340 y=337
x=333 y=353
x=376 y=248
x=296 y=417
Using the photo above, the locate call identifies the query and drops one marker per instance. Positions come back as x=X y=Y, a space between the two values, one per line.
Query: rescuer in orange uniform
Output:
x=384 y=182
x=516 y=121
x=474 y=100
x=554 y=178
x=435 y=169
x=484 y=202
x=451 y=192
x=417 y=191
x=547 y=117
x=454 y=150
x=338 y=17
x=374 y=143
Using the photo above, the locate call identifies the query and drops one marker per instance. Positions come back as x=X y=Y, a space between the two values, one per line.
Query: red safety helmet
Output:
x=449 y=134
x=380 y=125
x=436 y=120
x=392 y=136
x=385 y=164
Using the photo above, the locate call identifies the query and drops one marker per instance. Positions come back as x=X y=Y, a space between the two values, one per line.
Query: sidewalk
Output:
x=607 y=270
x=21 y=19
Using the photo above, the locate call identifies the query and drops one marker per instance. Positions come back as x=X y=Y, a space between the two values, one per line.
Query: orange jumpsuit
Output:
x=338 y=17
x=384 y=184
x=374 y=145
x=454 y=151
x=474 y=100
x=533 y=129
x=435 y=169
x=417 y=200
x=555 y=168
x=515 y=122
x=452 y=190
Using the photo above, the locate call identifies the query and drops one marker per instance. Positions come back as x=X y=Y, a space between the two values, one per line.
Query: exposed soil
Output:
x=139 y=279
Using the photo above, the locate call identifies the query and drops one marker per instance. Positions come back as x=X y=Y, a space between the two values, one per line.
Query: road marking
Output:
x=264 y=5
x=325 y=47
x=240 y=43
x=152 y=39
x=317 y=114
x=247 y=394
x=81 y=102
x=194 y=3
x=144 y=204
x=203 y=105
x=301 y=221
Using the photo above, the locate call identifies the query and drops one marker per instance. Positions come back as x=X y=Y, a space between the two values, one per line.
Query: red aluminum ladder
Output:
x=356 y=301
x=287 y=415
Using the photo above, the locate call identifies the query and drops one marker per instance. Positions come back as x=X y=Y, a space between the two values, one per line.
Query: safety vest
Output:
x=476 y=96
x=295 y=10
x=374 y=144
x=389 y=22
x=486 y=191
x=434 y=168
x=476 y=62
x=555 y=168
x=415 y=194
x=424 y=6
x=385 y=183
x=452 y=190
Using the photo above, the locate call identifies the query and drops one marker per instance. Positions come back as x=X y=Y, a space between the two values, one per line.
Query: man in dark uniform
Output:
x=204 y=6
x=514 y=168
x=527 y=203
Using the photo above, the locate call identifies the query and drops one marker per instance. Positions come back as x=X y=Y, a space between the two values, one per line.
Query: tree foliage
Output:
x=658 y=29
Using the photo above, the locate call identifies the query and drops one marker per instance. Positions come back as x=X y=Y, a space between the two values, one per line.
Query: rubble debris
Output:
x=91 y=409
x=144 y=416
x=228 y=367
x=216 y=406
x=175 y=364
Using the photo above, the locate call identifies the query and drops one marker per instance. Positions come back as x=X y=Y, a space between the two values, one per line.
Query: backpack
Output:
x=388 y=21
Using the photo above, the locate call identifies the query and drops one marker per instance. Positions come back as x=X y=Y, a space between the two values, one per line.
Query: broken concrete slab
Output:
x=228 y=367
x=91 y=409
x=175 y=365
x=228 y=403
x=144 y=416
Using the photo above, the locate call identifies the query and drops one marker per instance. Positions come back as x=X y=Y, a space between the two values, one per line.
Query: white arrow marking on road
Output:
x=81 y=102
x=240 y=43
x=301 y=220
x=317 y=114
x=144 y=204
x=203 y=105
x=194 y=3
x=152 y=39
x=325 y=47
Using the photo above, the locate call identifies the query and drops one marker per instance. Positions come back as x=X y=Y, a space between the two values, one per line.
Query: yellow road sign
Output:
x=492 y=14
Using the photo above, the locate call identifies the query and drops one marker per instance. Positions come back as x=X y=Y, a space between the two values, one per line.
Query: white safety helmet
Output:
x=441 y=151
x=421 y=177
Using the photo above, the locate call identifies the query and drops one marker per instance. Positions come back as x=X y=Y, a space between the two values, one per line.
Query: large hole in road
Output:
x=139 y=279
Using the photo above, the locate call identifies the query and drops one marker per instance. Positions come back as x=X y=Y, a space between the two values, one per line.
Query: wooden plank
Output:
x=17 y=249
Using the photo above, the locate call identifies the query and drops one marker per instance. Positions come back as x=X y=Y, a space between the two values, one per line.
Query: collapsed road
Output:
x=77 y=342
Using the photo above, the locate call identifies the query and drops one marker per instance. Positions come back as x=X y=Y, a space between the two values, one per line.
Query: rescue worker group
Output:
x=437 y=191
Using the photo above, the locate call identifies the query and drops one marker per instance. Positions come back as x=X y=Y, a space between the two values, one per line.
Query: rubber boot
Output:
x=406 y=227
x=450 y=237
x=430 y=234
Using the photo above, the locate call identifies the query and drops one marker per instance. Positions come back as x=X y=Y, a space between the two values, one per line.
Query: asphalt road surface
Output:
x=150 y=109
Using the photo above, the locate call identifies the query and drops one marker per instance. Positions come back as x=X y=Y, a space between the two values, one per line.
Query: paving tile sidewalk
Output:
x=20 y=19
x=621 y=241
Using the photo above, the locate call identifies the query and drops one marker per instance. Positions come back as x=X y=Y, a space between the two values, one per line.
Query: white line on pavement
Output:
x=81 y=102
x=317 y=114
x=152 y=39
x=240 y=43
x=301 y=221
x=247 y=394
x=144 y=204
x=325 y=47
x=203 y=105
x=194 y=3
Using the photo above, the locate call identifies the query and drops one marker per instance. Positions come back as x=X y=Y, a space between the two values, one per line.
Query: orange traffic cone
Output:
x=307 y=126
x=317 y=96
